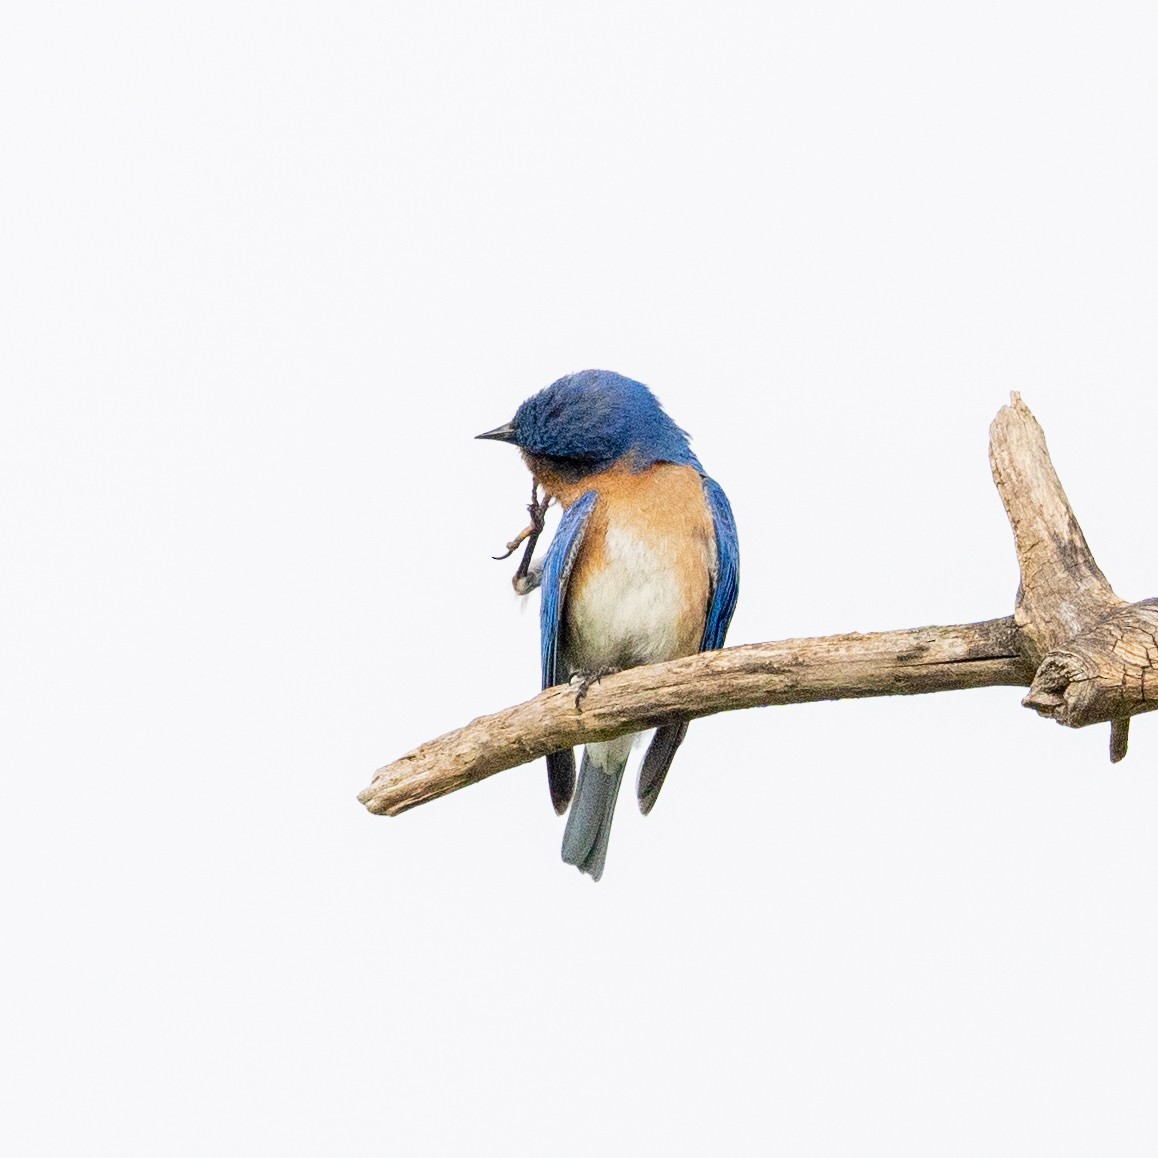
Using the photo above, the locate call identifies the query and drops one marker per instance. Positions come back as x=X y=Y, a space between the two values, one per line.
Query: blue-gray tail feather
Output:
x=657 y=761
x=561 y=778
x=589 y=821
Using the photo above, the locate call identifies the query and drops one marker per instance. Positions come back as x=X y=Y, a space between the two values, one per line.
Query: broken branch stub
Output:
x=1102 y=674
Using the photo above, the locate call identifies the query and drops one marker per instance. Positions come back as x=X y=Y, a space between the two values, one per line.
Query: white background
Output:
x=266 y=269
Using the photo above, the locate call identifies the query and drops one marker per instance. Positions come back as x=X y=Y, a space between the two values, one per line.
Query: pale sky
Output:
x=267 y=269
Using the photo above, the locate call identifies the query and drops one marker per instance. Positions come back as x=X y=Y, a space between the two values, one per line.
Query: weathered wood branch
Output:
x=1095 y=653
x=798 y=671
x=1086 y=655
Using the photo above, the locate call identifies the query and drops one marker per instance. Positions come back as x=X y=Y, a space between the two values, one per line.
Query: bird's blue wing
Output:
x=727 y=583
x=557 y=564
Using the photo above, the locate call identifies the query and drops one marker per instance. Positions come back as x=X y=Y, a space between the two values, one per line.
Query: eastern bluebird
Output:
x=643 y=568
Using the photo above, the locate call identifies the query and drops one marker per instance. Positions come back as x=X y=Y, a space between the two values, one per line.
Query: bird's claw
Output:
x=525 y=533
x=527 y=583
x=527 y=578
x=586 y=680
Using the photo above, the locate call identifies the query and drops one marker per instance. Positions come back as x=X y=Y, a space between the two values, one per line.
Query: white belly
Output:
x=632 y=610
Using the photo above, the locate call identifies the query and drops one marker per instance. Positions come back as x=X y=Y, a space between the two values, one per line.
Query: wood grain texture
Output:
x=1062 y=589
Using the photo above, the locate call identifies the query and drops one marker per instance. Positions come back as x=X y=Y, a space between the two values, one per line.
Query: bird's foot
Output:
x=585 y=680
x=525 y=584
x=527 y=578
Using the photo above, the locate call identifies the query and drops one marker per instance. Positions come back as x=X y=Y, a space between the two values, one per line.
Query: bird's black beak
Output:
x=504 y=433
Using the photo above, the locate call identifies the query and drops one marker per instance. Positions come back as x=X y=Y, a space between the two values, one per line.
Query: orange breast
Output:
x=640 y=586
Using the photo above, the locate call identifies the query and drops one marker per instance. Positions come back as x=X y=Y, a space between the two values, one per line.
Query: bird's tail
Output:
x=589 y=821
x=658 y=760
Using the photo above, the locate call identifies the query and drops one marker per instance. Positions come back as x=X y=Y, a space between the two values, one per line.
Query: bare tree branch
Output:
x=797 y=671
x=1086 y=655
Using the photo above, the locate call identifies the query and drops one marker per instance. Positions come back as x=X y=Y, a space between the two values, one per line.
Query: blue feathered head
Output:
x=593 y=418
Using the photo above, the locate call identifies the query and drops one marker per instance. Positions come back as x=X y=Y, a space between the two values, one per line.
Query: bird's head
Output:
x=584 y=422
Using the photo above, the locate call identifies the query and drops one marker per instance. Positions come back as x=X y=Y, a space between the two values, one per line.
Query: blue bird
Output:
x=643 y=568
